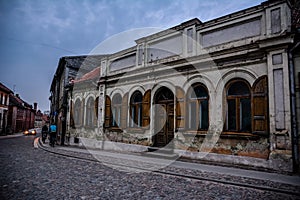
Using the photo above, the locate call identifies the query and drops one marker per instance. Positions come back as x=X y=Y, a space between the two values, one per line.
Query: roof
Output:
x=79 y=65
x=4 y=88
x=95 y=73
x=15 y=100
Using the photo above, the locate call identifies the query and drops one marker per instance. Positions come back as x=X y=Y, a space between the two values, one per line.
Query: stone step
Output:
x=161 y=150
x=156 y=152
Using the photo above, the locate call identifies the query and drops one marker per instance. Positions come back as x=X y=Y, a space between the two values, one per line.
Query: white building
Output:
x=222 y=86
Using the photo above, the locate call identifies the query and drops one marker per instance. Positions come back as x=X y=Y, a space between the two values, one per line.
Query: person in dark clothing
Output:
x=44 y=132
x=52 y=131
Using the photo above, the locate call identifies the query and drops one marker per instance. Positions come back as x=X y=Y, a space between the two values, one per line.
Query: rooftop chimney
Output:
x=35 y=106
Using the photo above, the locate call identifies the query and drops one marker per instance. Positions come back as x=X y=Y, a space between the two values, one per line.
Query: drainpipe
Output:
x=294 y=132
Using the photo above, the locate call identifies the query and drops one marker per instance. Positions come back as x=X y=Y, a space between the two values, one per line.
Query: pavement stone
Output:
x=32 y=173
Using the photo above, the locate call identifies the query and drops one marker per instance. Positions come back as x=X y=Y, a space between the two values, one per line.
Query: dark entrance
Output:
x=164 y=117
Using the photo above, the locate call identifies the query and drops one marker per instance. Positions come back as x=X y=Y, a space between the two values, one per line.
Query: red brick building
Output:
x=21 y=115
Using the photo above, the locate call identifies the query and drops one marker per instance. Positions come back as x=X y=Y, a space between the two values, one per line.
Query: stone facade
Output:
x=69 y=68
x=225 y=90
x=4 y=103
x=83 y=100
x=221 y=86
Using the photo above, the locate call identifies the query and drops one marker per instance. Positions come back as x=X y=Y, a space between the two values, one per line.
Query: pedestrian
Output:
x=44 y=132
x=52 y=131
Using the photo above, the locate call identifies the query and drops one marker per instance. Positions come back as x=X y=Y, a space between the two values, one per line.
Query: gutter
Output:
x=294 y=132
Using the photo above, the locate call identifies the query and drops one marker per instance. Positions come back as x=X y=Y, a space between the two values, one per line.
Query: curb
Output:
x=11 y=136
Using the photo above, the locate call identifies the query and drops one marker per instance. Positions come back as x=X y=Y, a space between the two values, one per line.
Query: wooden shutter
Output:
x=96 y=103
x=72 y=124
x=180 y=109
x=146 y=108
x=107 y=118
x=82 y=108
x=96 y=106
x=124 y=111
x=260 y=107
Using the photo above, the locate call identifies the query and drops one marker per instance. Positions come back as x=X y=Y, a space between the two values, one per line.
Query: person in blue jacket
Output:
x=52 y=131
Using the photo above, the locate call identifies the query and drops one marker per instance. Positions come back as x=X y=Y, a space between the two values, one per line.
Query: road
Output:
x=32 y=173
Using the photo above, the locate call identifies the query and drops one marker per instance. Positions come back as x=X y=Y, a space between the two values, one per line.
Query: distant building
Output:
x=69 y=68
x=21 y=115
x=4 y=102
x=82 y=117
x=38 y=123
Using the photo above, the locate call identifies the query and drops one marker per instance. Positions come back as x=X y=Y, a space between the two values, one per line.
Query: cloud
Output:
x=43 y=14
x=38 y=32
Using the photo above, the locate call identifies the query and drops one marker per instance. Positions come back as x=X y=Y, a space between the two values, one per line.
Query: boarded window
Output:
x=232 y=33
x=122 y=63
x=279 y=99
x=277 y=59
x=189 y=40
x=275 y=21
x=165 y=48
x=140 y=54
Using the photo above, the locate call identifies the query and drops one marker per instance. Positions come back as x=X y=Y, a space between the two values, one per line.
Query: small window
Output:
x=116 y=110
x=275 y=21
x=189 y=40
x=238 y=107
x=136 y=103
x=277 y=59
x=77 y=113
x=140 y=54
x=90 y=114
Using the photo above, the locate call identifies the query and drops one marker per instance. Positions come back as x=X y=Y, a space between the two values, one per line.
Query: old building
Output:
x=225 y=90
x=4 y=102
x=220 y=90
x=21 y=115
x=82 y=117
x=69 y=68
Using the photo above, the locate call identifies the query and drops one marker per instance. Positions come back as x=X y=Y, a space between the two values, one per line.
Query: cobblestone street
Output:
x=32 y=173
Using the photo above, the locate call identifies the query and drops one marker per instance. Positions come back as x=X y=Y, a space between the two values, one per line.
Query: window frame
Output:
x=136 y=111
x=197 y=101
x=238 y=112
x=116 y=110
x=78 y=113
x=90 y=114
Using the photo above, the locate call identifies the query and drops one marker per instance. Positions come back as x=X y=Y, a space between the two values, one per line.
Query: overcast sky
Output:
x=36 y=33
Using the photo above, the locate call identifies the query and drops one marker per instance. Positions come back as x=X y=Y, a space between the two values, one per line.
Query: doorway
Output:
x=164 y=117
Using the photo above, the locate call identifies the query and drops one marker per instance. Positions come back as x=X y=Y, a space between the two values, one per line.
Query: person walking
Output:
x=44 y=132
x=52 y=131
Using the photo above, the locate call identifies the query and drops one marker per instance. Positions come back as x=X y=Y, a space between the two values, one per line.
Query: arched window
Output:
x=90 y=114
x=198 y=108
x=238 y=95
x=77 y=113
x=136 y=103
x=116 y=110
